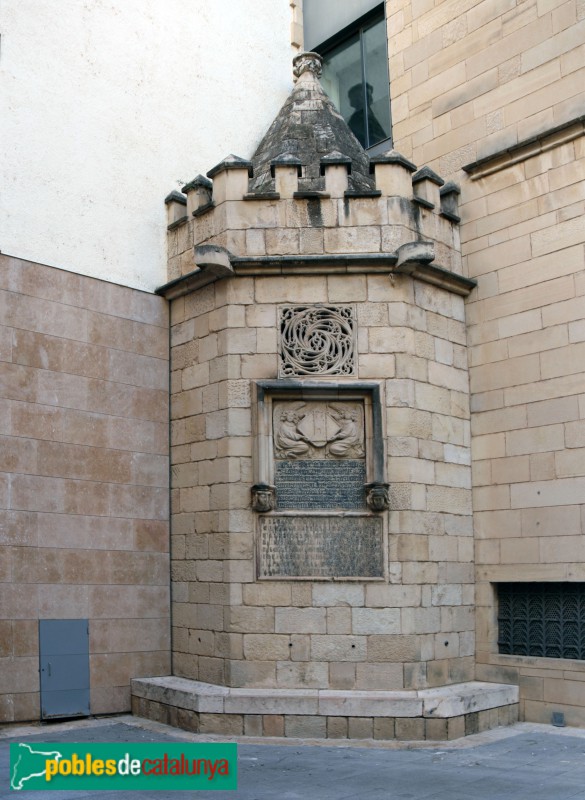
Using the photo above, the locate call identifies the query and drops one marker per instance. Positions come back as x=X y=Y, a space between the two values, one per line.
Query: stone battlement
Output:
x=310 y=190
x=406 y=206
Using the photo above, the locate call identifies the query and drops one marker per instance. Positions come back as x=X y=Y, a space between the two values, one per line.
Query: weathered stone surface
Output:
x=323 y=547
x=309 y=711
x=308 y=126
x=181 y=692
x=464 y=698
x=324 y=484
x=277 y=701
x=370 y=704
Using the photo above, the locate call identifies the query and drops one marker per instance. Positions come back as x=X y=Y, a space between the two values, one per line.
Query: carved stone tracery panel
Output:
x=317 y=340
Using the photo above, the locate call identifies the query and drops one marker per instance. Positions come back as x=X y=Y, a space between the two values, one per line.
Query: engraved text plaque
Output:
x=322 y=484
x=320 y=547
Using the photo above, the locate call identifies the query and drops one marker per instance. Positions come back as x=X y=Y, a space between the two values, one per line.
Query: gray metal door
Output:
x=64 y=667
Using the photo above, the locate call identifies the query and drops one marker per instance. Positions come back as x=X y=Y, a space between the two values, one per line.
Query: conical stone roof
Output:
x=308 y=127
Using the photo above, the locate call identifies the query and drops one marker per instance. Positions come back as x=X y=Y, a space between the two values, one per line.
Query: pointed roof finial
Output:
x=307 y=127
x=307 y=62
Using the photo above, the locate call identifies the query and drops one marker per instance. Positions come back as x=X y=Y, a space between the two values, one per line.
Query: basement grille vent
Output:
x=542 y=619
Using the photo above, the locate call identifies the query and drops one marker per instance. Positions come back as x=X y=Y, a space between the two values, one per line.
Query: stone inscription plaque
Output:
x=320 y=547
x=320 y=484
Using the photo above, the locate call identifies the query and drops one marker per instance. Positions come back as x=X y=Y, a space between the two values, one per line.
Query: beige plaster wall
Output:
x=83 y=479
x=108 y=105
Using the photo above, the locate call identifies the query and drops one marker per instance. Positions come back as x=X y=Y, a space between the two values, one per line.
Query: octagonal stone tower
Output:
x=322 y=548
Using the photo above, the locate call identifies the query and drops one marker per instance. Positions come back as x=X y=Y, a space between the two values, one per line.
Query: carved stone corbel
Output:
x=263 y=498
x=377 y=496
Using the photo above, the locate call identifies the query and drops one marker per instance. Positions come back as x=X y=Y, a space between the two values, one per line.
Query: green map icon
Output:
x=29 y=765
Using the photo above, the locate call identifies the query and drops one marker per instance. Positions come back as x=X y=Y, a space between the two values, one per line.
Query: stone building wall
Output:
x=497 y=88
x=412 y=631
x=415 y=627
x=527 y=329
x=83 y=479
x=468 y=80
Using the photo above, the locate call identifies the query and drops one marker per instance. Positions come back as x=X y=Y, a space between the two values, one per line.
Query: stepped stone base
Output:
x=447 y=712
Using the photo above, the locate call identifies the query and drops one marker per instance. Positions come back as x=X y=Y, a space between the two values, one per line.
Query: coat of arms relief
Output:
x=318 y=430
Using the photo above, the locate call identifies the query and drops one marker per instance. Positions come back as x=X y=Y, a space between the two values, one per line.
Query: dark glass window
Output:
x=542 y=619
x=355 y=76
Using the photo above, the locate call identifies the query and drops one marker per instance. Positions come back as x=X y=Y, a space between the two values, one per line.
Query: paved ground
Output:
x=526 y=762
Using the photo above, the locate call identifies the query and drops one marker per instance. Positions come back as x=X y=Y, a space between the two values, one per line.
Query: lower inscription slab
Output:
x=320 y=547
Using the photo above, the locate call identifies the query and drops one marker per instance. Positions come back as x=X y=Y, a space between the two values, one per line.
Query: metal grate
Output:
x=542 y=619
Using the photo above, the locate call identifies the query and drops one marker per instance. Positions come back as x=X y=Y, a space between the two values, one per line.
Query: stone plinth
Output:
x=447 y=712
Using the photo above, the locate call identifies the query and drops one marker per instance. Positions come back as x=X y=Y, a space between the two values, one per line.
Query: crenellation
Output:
x=275 y=224
x=199 y=195
x=426 y=184
x=336 y=169
x=286 y=170
x=176 y=214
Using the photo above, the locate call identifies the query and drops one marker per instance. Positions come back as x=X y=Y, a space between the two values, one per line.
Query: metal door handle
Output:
x=49 y=668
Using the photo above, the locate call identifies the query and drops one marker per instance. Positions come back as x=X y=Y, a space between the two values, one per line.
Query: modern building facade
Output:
x=470 y=357
x=92 y=146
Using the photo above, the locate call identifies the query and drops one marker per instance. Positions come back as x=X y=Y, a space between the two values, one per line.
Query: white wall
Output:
x=107 y=105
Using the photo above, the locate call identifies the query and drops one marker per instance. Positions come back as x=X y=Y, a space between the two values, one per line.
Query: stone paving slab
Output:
x=525 y=762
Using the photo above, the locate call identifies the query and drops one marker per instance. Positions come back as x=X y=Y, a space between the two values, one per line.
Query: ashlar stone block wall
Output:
x=413 y=629
x=83 y=479
x=527 y=329
x=498 y=88
x=469 y=79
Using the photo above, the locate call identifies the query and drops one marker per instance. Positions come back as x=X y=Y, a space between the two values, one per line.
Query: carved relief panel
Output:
x=318 y=430
x=319 y=453
x=320 y=477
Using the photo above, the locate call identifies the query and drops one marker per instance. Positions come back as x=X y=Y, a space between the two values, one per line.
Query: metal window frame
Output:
x=359 y=26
